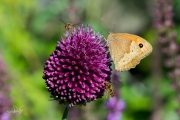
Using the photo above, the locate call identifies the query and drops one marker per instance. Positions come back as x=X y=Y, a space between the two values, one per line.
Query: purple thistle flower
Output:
x=5 y=101
x=76 y=70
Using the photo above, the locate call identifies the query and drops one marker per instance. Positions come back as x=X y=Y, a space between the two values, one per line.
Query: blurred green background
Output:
x=30 y=29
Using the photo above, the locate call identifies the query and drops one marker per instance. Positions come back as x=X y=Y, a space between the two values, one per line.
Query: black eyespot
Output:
x=140 y=45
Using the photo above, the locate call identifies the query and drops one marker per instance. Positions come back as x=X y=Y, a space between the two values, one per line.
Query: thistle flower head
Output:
x=76 y=70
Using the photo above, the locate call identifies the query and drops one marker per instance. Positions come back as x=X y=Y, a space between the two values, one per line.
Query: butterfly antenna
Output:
x=106 y=23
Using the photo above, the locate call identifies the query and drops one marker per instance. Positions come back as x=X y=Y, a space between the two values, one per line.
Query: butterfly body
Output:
x=127 y=50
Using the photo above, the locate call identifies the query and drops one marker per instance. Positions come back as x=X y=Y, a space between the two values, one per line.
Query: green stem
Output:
x=66 y=110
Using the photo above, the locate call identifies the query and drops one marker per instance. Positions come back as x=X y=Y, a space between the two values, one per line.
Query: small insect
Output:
x=109 y=88
x=69 y=26
x=127 y=50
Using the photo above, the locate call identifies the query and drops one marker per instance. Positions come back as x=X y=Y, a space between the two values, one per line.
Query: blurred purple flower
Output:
x=116 y=83
x=5 y=116
x=115 y=104
x=5 y=101
x=76 y=70
x=163 y=23
x=75 y=113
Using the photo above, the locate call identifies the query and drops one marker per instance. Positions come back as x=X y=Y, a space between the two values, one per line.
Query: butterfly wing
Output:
x=146 y=48
x=127 y=50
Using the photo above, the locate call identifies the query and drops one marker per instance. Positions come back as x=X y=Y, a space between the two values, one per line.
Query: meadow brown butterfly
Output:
x=127 y=50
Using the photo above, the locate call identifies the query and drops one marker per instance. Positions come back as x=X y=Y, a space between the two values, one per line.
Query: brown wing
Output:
x=146 y=48
x=125 y=50
x=118 y=46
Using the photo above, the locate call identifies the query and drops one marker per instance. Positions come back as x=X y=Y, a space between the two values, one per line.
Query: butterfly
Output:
x=127 y=50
